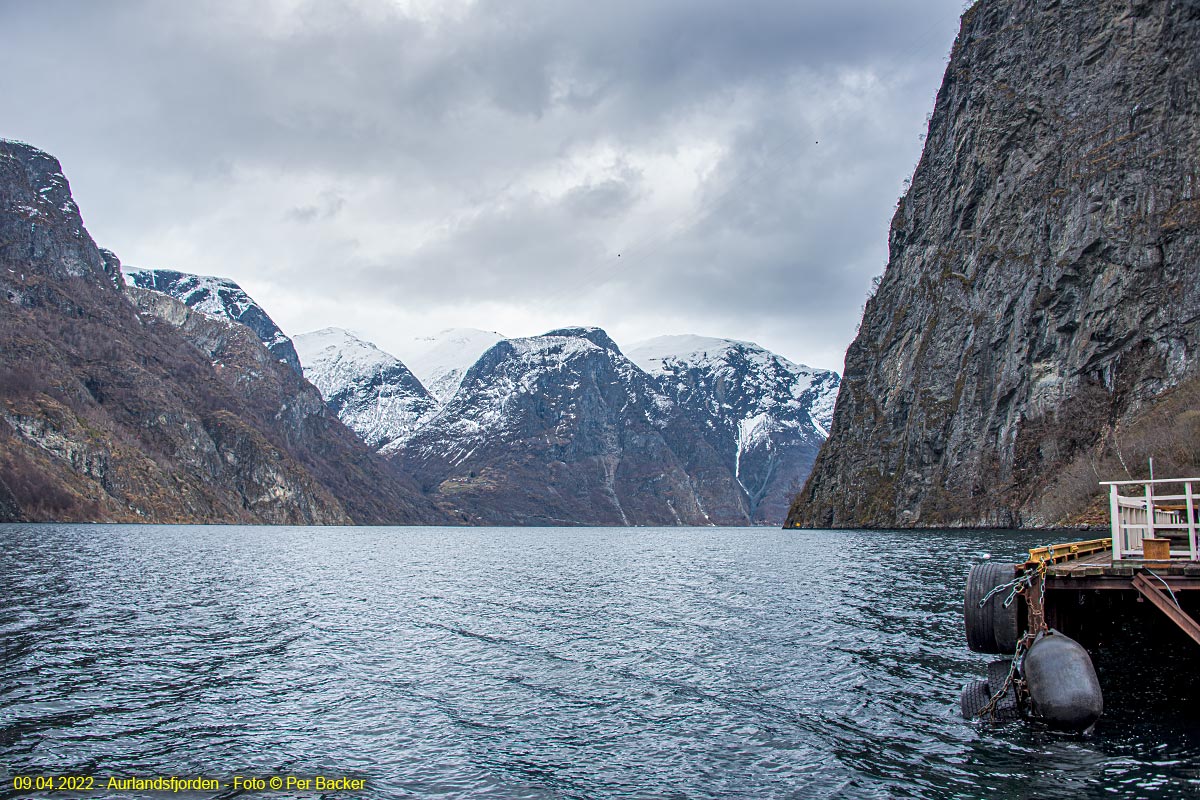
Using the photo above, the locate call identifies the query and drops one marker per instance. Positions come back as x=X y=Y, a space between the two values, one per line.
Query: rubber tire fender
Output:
x=1007 y=707
x=975 y=696
x=992 y=628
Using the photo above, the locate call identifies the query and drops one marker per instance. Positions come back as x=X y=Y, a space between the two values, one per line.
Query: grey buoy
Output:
x=1063 y=687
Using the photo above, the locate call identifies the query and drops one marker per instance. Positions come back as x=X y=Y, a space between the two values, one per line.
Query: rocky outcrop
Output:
x=1041 y=295
x=156 y=413
x=763 y=415
x=217 y=297
x=369 y=390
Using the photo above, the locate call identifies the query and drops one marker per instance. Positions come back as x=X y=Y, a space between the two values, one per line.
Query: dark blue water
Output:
x=513 y=663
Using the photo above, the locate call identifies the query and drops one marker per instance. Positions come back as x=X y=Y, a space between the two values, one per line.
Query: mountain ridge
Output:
x=217 y=297
x=113 y=412
x=373 y=392
x=763 y=414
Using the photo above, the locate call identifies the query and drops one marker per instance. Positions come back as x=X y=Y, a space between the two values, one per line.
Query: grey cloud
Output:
x=603 y=199
x=327 y=206
x=408 y=152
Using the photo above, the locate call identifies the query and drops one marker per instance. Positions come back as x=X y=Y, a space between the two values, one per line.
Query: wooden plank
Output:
x=1085 y=564
x=1164 y=604
x=1178 y=583
x=1066 y=551
x=1149 y=534
x=1191 y=519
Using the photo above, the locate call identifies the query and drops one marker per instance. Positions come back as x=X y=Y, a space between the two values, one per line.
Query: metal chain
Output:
x=1015 y=585
x=1012 y=678
x=1019 y=585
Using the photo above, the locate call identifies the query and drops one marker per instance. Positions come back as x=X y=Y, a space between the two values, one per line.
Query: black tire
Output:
x=992 y=628
x=975 y=697
x=1007 y=707
x=997 y=673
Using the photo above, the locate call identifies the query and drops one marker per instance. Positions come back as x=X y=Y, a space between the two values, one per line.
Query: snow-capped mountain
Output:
x=372 y=392
x=441 y=361
x=563 y=429
x=764 y=414
x=217 y=297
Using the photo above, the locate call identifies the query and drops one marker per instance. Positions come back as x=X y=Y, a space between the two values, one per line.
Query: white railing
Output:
x=1149 y=512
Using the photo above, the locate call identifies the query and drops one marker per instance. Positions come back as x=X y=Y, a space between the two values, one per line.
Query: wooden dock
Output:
x=1068 y=569
x=1121 y=613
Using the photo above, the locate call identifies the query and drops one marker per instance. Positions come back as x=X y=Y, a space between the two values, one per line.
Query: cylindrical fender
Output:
x=1062 y=682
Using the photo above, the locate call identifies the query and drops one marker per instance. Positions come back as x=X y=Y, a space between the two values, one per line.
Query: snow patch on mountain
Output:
x=767 y=416
x=220 y=298
x=441 y=361
x=371 y=391
x=741 y=373
x=493 y=386
x=515 y=369
x=821 y=409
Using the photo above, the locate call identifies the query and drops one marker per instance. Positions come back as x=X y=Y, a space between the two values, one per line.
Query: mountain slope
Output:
x=1040 y=297
x=370 y=391
x=441 y=361
x=559 y=429
x=217 y=297
x=156 y=414
x=765 y=416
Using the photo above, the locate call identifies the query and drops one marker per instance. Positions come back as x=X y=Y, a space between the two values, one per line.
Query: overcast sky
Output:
x=402 y=166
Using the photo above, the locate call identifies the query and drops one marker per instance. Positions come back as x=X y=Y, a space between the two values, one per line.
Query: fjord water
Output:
x=574 y=663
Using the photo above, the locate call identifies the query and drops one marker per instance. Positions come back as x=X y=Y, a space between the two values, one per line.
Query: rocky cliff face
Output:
x=156 y=413
x=217 y=297
x=370 y=390
x=765 y=416
x=1041 y=295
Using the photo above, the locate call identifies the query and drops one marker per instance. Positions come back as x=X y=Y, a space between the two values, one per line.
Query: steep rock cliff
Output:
x=1041 y=295
x=217 y=297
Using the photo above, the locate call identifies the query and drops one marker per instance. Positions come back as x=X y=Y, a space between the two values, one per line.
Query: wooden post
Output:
x=1114 y=510
x=1033 y=601
x=1191 y=516
x=1149 y=532
x=1155 y=595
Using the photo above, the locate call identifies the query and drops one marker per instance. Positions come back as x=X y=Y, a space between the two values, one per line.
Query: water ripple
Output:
x=548 y=663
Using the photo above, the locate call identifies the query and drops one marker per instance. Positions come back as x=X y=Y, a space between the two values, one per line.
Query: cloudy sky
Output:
x=402 y=166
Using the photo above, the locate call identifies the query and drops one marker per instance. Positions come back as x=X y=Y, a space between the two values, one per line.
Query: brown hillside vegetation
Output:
x=1167 y=431
x=111 y=413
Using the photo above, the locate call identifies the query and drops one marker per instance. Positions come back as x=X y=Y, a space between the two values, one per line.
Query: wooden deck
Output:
x=1090 y=565
x=1101 y=564
x=1055 y=581
x=1074 y=567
